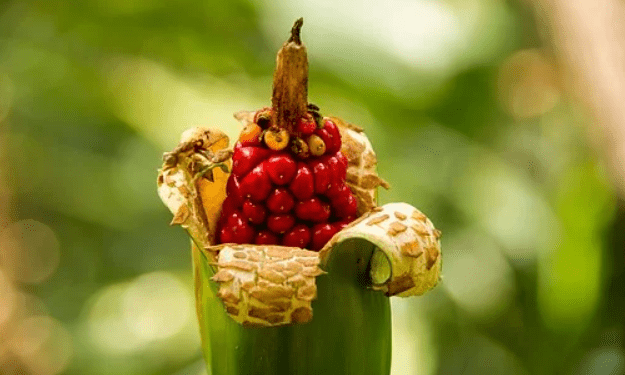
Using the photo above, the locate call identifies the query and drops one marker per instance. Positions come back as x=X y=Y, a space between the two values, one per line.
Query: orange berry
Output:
x=276 y=139
x=250 y=135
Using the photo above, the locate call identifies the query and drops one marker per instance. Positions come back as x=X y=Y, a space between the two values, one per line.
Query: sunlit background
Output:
x=499 y=119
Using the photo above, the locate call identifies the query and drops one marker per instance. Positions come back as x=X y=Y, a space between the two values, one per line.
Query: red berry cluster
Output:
x=292 y=196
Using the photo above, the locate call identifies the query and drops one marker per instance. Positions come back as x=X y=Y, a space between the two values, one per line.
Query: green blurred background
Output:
x=465 y=102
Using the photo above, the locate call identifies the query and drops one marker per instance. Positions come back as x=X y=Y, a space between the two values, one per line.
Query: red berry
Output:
x=340 y=156
x=229 y=217
x=345 y=206
x=229 y=205
x=233 y=218
x=238 y=230
x=237 y=147
x=227 y=209
x=280 y=223
x=322 y=176
x=306 y=209
x=256 y=185
x=265 y=237
x=340 y=225
x=299 y=236
x=246 y=158
x=254 y=212
x=281 y=168
x=244 y=233
x=280 y=201
x=302 y=185
x=335 y=136
x=321 y=234
x=324 y=214
x=226 y=235
x=312 y=210
x=337 y=171
x=233 y=190
x=306 y=125
x=338 y=191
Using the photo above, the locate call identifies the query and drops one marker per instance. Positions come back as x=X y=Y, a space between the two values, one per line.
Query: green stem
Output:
x=350 y=332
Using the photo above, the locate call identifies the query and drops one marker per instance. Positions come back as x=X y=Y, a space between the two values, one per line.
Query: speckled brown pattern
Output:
x=409 y=241
x=267 y=285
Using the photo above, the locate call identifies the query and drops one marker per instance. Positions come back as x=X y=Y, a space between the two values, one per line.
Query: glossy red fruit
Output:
x=321 y=234
x=324 y=214
x=226 y=235
x=265 y=237
x=281 y=168
x=340 y=225
x=322 y=176
x=254 y=212
x=233 y=218
x=345 y=206
x=337 y=171
x=256 y=184
x=229 y=205
x=312 y=209
x=236 y=229
x=237 y=146
x=233 y=190
x=227 y=211
x=338 y=191
x=246 y=158
x=306 y=125
x=227 y=208
x=302 y=185
x=340 y=156
x=335 y=136
x=280 y=223
x=280 y=201
x=298 y=236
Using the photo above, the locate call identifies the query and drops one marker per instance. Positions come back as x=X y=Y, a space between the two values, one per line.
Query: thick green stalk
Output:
x=350 y=332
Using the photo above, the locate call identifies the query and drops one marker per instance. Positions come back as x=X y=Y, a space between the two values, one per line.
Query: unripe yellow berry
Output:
x=276 y=139
x=316 y=145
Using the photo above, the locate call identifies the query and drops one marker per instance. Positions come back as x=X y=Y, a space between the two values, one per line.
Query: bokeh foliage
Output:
x=463 y=105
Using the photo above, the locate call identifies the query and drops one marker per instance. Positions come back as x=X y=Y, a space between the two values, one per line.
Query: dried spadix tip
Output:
x=289 y=100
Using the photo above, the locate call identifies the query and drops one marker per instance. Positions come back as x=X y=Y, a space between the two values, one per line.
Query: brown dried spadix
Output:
x=290 y=81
